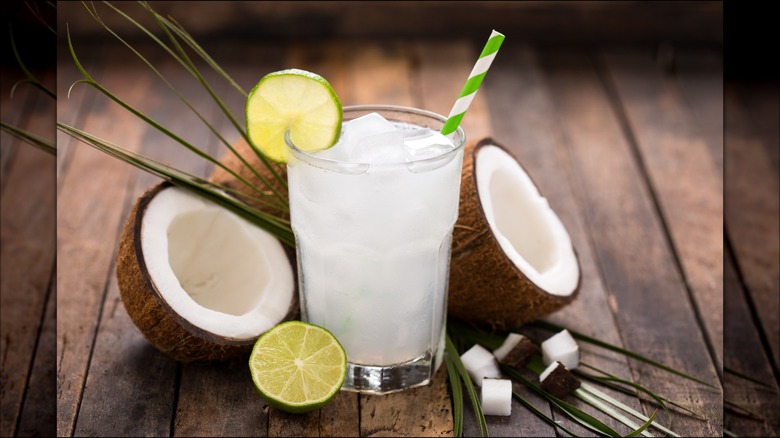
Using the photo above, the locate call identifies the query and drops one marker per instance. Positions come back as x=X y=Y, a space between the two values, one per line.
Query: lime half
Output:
x=298 y=367
x=296 y=100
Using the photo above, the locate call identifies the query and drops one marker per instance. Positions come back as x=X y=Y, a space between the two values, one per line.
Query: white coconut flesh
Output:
x=527 y=229
x=215 y=269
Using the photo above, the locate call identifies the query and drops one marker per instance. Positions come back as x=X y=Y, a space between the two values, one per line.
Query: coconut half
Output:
x=512 y=259
x=200 y=282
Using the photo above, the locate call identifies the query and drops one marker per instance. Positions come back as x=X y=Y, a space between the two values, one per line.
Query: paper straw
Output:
x=472 y=84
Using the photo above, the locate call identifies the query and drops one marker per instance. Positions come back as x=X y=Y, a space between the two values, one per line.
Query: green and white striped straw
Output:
x=472 y=84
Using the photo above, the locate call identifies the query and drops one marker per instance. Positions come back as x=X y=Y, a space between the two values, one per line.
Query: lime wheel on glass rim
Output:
x=292 y=100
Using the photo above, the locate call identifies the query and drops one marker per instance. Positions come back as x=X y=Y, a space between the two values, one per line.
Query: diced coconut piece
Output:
x=516 y=351
x=561 y=347
x=480 y=363
x=558 y=380
x=509 y=343
x=496 y=397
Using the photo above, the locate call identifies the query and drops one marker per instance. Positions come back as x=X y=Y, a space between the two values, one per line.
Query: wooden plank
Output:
x=535 y=137
x=27 y=218
x=752 y=212
x=759 y=101
x=424 y=411
x=745 y=354
x=94 y=190
x=700 y=75
x=685 y=179
x=648 y=296
x=38 y=416
x=378 y=73
x=219 y=399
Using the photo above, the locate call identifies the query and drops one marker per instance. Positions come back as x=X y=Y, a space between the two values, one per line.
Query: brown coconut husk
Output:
x=162 y=327
x=485 y=287
x=244 y=192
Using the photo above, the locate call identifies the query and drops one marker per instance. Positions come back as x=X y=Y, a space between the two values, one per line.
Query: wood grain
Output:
x=424 y=411
x=745 y=354
x=90 y=204
x=27 y=256
x=700 y=77
x=38 y=415
x=665 y=133
x=752 y=214
x=536 y=138
x=650 y=304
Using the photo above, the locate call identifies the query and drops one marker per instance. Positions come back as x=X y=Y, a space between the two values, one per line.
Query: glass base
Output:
x=374 y=379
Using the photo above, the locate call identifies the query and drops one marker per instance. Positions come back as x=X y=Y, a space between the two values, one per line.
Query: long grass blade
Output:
x=610 y=380
x=741 y=410
x=746 y=377
x=30 y=138
x=36 y=12
x=457 y=396
x=167 y=27
x=187 y=38
x=584 y=387
x=283 y=202
x=170 y=25
x=464 y=376
x=598 y=404
x=578 y=415
x=554 y=327
x=27 y=73
x=268 y=222
x=540 y=414
x=644 y=426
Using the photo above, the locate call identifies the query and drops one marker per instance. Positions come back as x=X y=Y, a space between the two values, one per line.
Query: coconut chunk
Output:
x=558 y=380
x=561 y=347
x=516 y=351
x=480 y=363
x=496 y=397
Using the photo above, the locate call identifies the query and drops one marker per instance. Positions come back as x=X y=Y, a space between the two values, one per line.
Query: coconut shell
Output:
x=252 y=174
x=161 y=326
x=485 y=287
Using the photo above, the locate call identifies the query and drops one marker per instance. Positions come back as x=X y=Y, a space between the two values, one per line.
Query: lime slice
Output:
x=296 y=100
x=298 y=367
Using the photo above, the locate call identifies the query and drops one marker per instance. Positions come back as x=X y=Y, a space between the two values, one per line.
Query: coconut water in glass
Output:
x=373 y=219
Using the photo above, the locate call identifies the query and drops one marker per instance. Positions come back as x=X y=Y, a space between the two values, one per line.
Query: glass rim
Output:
x=353 y=167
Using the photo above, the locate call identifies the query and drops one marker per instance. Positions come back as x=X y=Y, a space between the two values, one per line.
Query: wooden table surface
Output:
x=626 y=144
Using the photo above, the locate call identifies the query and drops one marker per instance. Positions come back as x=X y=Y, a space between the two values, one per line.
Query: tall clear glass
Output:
x=373 y=244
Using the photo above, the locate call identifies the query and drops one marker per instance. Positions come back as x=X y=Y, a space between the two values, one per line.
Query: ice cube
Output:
x=364 y=126
x=426 y=145
x=386 y=147
x=355 y=131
